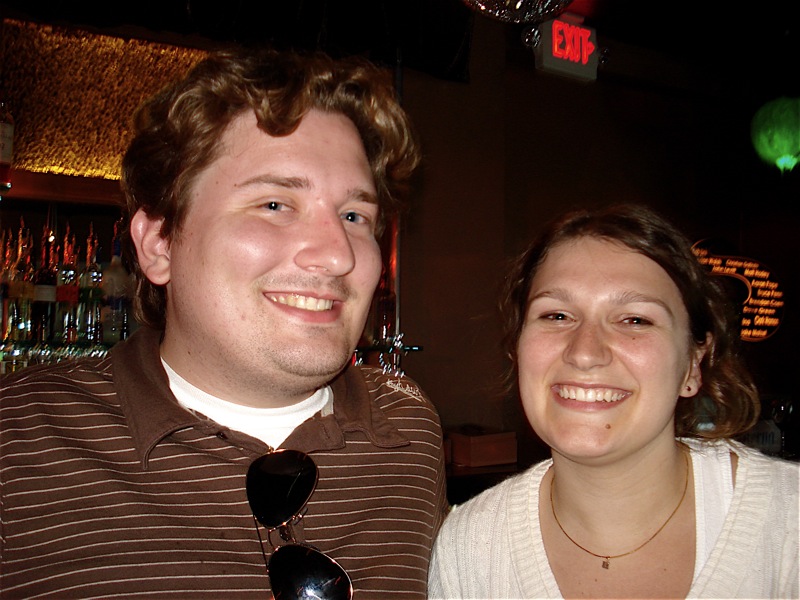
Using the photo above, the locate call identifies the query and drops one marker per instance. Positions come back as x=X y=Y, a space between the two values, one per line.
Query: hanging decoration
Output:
x=526 y=12
x=775 y=132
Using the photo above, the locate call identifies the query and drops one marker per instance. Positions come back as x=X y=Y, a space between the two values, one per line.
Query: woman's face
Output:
x=605 y=351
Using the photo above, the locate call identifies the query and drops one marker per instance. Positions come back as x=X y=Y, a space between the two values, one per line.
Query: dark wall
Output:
x=510 y=147
x=515 y=146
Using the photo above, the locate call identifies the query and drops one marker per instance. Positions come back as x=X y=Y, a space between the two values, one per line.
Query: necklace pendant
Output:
x=605 y=563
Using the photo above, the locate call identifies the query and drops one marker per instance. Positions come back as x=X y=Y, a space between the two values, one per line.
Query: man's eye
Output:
x=273 y=205
x=354 y=217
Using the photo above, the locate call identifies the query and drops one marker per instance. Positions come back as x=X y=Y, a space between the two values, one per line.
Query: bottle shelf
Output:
x=68 y=189
x=15 y=355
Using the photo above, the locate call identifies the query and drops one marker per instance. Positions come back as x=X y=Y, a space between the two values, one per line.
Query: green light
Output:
x=775 y=132
x=786 y=162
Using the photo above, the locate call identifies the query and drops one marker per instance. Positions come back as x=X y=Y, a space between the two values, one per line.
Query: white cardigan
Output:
x=491 y=546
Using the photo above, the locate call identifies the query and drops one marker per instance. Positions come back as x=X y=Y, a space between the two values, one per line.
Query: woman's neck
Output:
x=610 y=505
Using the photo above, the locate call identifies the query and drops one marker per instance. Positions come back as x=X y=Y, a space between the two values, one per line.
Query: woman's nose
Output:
x=587 y=347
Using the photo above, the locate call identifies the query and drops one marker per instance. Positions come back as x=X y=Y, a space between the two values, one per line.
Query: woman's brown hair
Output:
x=728 y=403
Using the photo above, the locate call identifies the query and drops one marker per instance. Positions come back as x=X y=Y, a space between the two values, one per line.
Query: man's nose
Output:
x=327 y=247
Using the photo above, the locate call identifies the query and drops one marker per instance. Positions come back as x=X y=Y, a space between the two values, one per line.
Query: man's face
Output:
x=271 y=276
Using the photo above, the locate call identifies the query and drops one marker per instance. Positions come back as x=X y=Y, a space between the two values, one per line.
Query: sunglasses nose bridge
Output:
x=286 y=533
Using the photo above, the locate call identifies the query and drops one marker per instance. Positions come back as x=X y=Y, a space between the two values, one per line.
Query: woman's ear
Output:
x=152 y=249
x=694 y=378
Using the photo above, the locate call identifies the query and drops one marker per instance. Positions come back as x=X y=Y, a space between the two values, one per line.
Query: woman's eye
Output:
x=637 y=321
x=555 y=316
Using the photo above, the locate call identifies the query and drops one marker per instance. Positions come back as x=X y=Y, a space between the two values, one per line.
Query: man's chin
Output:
x=319 y=366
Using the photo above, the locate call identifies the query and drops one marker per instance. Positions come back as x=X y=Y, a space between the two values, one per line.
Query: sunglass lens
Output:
x=299 y=573
x=279 y=484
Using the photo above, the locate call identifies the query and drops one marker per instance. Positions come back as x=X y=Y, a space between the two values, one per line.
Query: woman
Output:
x=623 y=348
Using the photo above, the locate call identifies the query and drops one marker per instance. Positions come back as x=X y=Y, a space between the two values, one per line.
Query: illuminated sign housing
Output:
x=567 y=48
x=762 y=309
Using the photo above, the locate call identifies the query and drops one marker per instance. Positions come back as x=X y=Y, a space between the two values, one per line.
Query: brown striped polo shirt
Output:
x=110 y=489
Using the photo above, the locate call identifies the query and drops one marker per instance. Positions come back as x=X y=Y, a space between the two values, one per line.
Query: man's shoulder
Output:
x=85 y=376
x=391 y=387
x=45 y=404
x=76 y=368
x=399 y=398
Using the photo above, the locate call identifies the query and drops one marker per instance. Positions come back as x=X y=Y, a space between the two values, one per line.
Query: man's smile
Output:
x=302 y=302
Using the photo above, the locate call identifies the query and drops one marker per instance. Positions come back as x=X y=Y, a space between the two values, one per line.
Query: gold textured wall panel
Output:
x=73 y=92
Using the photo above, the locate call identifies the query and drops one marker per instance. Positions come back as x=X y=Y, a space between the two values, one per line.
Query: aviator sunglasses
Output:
x=279 y=485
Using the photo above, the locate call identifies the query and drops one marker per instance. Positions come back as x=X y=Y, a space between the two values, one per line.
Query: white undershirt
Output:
x=270 y=425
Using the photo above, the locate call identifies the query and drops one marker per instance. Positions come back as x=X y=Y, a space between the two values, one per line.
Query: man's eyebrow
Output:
x=363 y=196
x=278 y=180
x=302 y=183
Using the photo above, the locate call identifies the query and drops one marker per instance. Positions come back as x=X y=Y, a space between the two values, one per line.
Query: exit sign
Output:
x=567 y=48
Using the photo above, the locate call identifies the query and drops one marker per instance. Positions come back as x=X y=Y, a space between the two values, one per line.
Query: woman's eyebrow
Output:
x=619 y=298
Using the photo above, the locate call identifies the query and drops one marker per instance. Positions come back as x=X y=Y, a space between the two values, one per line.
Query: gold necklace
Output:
x=607 y=559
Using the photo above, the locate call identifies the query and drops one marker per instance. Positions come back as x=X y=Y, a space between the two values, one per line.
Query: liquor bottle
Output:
x=116 y=293
x=90 y=295
x=385 y=310
x=20 y=289
x=6 y=144
x=66 y=327
x=5 y=272
x=43 y=309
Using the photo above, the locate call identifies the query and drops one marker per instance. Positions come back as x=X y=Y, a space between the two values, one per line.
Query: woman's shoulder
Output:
x=495 y=501
x=779 y=474
x=713 y=448
x=753 y=468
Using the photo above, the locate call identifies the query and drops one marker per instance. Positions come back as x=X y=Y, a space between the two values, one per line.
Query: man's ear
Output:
x=152 y=250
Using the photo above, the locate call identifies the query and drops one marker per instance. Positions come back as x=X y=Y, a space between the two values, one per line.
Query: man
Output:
x=255 y=190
